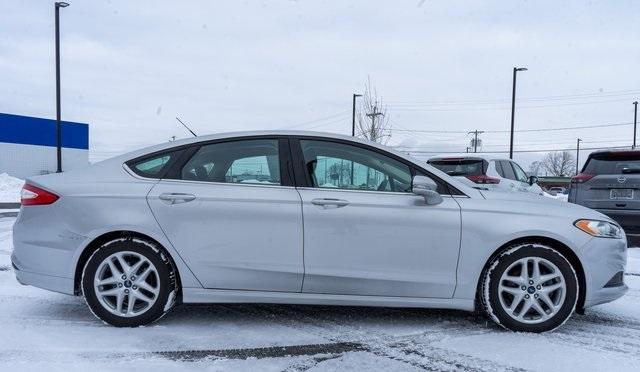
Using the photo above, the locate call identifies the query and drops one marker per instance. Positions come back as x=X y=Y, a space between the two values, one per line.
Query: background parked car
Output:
x=487 y=172
x=557 y=190
x=610 y=183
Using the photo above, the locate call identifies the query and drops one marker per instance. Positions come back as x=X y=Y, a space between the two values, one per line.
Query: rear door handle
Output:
x=330 y=201
x=176 y=197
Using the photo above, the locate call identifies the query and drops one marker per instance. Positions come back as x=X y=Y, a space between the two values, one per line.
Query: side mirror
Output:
x=427 y=188
x=532 y=180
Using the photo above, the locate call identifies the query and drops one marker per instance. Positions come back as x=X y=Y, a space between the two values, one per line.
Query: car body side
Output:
x=106 y=199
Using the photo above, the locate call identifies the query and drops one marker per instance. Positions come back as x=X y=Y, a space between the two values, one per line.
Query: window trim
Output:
x=301 y=174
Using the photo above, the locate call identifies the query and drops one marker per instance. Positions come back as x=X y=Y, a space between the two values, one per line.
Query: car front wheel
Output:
x=530 y=288
x=129 y=282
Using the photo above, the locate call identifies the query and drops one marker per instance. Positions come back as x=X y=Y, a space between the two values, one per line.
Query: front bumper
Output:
x=603 y=259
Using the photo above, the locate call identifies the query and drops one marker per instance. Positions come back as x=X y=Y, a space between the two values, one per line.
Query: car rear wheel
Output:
x=530 y=288
x=129 y=282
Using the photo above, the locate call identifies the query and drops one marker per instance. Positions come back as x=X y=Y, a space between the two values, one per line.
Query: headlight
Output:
x=600 y=229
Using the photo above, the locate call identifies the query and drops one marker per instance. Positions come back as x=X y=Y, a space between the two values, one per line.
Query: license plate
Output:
x=621 y=194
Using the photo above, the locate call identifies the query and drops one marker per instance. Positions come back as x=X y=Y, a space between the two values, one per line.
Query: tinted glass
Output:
x=520 y=174
x=461 y=167
x=250 y=161
x=335 y=165
x=610 y=164
x=507 y=171
x=153 y=166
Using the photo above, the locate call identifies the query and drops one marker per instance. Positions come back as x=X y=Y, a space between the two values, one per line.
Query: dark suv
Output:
x=610 y=183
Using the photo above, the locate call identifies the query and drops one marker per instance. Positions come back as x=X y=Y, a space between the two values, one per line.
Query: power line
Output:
x=340 y=113
x=466 y=108
x=619 y=93
x=506 y=152
x=521 y=130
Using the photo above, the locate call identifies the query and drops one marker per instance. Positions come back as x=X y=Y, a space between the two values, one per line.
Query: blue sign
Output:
x=28 y=130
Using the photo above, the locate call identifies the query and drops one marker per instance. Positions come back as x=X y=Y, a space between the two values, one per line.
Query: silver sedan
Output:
x=307 y=218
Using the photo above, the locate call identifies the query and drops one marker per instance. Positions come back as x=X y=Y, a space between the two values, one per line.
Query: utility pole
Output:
x=373 y=117
x=635 y=122
x=58 y=5
x=475 y=139
x=353 y=115
x=578 y=155
x=513 y=106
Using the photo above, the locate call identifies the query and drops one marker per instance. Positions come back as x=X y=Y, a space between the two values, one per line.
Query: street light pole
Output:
x=635 y=122
x=513 y=106
x=58 y=5
x=353 y=115
x=578 y=155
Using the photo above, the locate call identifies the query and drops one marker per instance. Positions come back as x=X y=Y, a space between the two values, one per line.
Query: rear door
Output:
x=231 y=211
x=615 y=182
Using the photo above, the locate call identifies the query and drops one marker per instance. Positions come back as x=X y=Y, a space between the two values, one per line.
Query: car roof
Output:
x=258 y=133
x=621 y=152
x=465 y=155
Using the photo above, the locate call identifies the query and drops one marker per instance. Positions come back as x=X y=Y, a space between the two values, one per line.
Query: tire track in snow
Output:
x=403 y=348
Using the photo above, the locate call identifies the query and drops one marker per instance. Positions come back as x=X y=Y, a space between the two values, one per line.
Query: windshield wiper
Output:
x=630 y=170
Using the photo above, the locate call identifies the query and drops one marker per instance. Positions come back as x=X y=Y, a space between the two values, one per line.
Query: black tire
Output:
x=489 y=293
x=166 y=274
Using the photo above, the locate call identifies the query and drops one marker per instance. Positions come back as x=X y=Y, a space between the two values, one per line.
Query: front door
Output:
x=232 y=218
x=365 y=233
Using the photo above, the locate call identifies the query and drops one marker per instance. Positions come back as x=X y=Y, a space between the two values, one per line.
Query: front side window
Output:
x=333 y=165
x=153 y=166
x=246 y=161
x=520 y=174
x=507 y=170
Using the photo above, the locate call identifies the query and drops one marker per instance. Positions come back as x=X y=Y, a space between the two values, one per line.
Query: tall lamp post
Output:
x=353 y=115
x=513 y=106
x=635 y=122
x=58 y=5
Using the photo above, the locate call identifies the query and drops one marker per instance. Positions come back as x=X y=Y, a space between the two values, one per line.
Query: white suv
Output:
x=487 y=172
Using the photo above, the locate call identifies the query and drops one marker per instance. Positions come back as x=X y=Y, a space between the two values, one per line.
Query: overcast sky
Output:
x=129 y=67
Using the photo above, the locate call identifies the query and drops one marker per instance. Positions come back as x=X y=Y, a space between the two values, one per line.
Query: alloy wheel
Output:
x=126 y=284
x=532 y=290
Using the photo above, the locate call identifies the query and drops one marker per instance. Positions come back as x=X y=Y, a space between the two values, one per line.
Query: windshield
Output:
x=613 y=164
x=461 y=167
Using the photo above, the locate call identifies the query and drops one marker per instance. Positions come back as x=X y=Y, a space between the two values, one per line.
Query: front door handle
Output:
x=330 y=202
x=176 y=197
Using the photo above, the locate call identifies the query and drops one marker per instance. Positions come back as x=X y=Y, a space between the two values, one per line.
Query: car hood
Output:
x=538 y=204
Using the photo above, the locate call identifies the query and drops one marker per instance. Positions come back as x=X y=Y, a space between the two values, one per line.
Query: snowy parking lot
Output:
x=43 y=330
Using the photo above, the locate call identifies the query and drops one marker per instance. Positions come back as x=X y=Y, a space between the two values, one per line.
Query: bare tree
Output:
x=559 y=163
x=373 y=118
x=535 y=168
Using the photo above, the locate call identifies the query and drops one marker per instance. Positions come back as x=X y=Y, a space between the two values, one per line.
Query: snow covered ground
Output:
x=10 y=188
x=42 y=330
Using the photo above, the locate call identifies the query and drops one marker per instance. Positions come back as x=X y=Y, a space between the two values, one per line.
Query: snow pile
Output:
x=10 y=188
x=562 y=197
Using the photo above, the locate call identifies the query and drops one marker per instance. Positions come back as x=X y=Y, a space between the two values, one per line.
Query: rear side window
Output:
x=613 y=164
x=154 y=166
x=461 y=167
x=245 y=161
